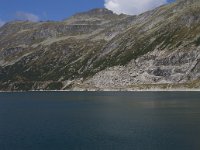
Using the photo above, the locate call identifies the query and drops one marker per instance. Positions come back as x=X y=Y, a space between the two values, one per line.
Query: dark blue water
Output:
x=100 y=121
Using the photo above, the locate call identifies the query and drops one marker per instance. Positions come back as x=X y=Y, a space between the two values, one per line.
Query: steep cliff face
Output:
x=101 y=50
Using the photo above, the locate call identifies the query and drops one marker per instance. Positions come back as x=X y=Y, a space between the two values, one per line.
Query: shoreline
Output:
x=109 y=90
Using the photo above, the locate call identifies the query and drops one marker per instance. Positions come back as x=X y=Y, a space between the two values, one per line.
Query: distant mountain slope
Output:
x=101 y=50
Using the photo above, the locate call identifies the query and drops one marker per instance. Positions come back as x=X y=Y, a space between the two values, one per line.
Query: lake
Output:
x=100 y=121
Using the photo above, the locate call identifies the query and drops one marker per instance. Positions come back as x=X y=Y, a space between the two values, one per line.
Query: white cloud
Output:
x=1 y=23
x=27 y=16
x=132 y=7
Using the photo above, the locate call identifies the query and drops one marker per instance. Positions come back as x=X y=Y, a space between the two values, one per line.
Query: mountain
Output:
x=99 y=50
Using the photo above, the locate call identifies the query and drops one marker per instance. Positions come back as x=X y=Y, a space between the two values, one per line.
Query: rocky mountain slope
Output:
x=100 y=50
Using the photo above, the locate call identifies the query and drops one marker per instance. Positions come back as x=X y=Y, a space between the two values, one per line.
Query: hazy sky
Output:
x=35 y=10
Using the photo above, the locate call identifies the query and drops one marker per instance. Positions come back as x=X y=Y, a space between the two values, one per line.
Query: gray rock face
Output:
x=157 y=67
x=100 y=50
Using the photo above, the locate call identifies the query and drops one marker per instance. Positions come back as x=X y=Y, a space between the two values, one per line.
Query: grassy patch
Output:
x=22 y=86
x=55 y=86
x=197 y=42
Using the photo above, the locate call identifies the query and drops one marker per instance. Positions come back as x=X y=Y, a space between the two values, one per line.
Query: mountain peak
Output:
x=97 y=12
x=100 y=11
